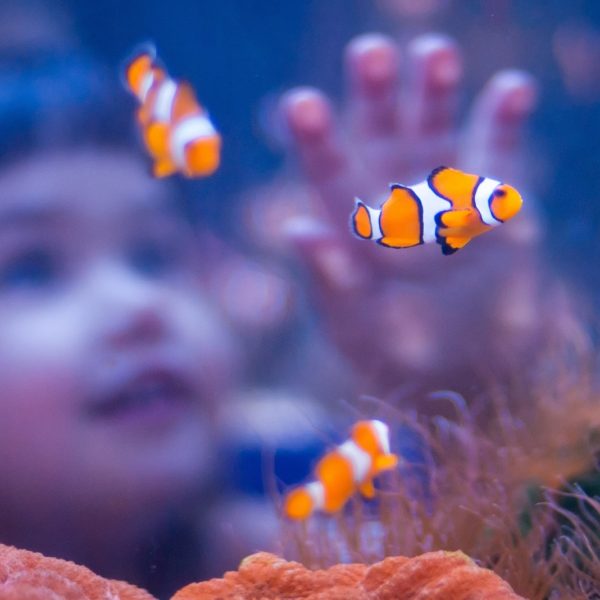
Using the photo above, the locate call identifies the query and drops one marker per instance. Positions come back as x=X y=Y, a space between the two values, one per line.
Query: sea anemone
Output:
x=492 y=482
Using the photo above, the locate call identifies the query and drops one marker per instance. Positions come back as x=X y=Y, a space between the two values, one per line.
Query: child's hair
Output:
x=67 y=100
x=57 y=100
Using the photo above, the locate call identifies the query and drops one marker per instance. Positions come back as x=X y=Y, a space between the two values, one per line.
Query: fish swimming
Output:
x=450 y=207
x=343 y=471
x=177 y=131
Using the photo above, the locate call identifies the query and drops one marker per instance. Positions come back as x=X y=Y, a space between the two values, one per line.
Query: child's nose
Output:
x=131 y=307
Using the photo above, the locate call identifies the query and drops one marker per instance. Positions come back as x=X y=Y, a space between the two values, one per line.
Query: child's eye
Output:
x=33 y=268
x=153 y=258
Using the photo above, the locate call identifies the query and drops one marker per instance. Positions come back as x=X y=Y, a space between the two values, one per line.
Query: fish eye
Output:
x=505 y=202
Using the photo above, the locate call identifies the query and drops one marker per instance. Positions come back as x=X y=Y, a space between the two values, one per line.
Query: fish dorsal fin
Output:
x=453 y=185
x=137 y=65
x=185 y=103
x=442 y=172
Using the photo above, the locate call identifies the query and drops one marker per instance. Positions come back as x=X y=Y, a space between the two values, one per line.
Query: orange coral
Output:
x=434 y=575
x=28 y=575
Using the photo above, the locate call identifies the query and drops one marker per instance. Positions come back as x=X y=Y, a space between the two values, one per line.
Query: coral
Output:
x=26 y=575
x=435 y=575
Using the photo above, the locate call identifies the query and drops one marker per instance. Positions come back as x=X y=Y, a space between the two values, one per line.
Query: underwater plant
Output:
x=484 y=510
x=491 y=491
x=491 y=481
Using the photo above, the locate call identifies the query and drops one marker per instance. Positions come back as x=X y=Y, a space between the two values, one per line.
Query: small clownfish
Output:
x=450 y=207
x=343 y=471
x=176 y=129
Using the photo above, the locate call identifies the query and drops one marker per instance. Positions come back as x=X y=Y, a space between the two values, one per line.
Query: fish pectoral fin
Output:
x=443 y=170
x=453 y=229
x=385 y=462
x=451 y=244
x=163 y=168
x=455 y=218
x=367 y=489
x=452 y=184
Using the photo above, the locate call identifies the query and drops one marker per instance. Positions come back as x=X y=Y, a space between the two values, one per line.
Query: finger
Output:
x=326 y=256
x=265 y=212
x=372 y=63
x=435 y=74
x=254 y=296
x=309 y=117
x=494 y=130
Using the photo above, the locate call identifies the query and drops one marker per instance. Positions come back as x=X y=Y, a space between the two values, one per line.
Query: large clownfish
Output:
x=450 y=207
x=343 y=471
x=176 y=129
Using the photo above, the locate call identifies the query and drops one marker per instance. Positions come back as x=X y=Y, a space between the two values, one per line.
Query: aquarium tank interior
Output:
x=299 y=299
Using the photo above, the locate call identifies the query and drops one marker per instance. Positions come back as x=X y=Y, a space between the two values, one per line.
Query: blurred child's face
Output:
x=109 y=355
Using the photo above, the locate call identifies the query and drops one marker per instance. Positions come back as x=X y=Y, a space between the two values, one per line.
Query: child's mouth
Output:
x=154 y=390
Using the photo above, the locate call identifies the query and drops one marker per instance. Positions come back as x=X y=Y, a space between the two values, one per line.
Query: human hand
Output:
x=413 y=313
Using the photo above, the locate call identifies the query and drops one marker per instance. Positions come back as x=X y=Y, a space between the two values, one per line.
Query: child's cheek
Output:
x=43 y=338
x=206 y=340
x=40 y=356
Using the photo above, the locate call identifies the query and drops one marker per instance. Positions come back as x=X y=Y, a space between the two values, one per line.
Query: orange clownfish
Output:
x=343 y=471
x=450 y=207
x=177 y=131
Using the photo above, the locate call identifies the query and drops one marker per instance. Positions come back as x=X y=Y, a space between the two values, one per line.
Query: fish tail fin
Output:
x=203 y=156
x=360 y=221
x=137 y=65
x=298 y=504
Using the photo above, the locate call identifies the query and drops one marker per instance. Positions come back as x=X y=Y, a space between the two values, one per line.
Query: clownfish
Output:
x=343 y=471
x=177 y=131
x=450 y=207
